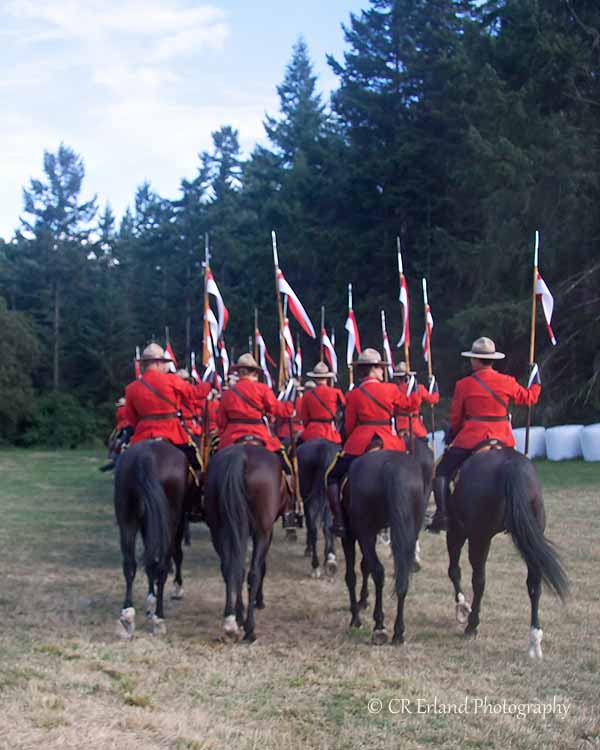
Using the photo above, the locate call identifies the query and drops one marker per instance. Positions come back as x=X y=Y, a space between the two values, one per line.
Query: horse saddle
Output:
x=376 y=444
x=491 y=444
x=251 y=440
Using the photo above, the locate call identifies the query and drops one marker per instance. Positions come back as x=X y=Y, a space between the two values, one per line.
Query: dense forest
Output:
x=459 y=126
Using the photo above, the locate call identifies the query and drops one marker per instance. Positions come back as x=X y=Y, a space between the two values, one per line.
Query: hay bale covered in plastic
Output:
x=563 y=443
x=537 y=441
x=590 y=442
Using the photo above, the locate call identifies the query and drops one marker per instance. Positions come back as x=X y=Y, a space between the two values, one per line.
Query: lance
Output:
x=386 y=372
x=255 y=334
x=205 y=324
x=405 y=320
x=281 y=374
x=322 y=352
x=532 y=334
x=250 y=347
x=429 y=362
x=349 y=359
x=298 y=368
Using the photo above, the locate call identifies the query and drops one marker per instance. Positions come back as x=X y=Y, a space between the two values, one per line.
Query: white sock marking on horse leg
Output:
x=418 y=553
x=316 y=572
x=150 y=605
x=463 y=609
x=535 y=643
x=177 y=591
x=158 y=625
x=230 y=625
x=126 y=623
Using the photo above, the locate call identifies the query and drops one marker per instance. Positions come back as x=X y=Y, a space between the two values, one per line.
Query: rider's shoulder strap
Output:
x=492 y=393
x=159 y=395
x=323 y=404
x=246 y=400
x=374 y=399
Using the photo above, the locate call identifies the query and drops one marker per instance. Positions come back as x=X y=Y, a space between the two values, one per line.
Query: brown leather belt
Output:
x=321 y=421
x=164 y=415
x=245 y=421
x=378 y=422
x=488 y=419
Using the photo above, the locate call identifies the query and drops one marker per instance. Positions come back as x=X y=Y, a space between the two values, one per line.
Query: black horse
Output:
x=384 y=490
x=314 y=458
x=498 y=490
x=245 y=494
x=151 y=481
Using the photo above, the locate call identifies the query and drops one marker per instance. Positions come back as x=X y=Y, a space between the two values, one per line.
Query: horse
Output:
x=245 y=494
x=314 y=458
x=423 y=455
x=495 y=491
x=384 y=490
x=151 y=481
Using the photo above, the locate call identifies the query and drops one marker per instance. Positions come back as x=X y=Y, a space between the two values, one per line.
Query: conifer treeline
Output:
x=459 y=126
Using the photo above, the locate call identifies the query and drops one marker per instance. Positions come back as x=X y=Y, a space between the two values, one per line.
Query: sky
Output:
x=136 y=87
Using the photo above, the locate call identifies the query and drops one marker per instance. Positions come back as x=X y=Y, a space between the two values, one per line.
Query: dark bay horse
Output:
x=151 y=481
x=245 y=494
x=496 y=491
x=384 y=490
x=314 y=458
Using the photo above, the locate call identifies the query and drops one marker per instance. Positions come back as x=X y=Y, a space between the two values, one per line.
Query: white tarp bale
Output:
x=563 y=443
x=537 y=441
x=439 y=443
x=590 y=442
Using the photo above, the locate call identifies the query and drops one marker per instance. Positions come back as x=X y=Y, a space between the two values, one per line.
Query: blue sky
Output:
x=137 y=86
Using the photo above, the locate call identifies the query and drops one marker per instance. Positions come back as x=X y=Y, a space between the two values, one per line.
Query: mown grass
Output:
x=67 y=681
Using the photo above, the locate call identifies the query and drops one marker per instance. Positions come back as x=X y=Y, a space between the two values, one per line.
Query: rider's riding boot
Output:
x=333 y=495
x=196 y=505
x=440 y=493
x=108 y=466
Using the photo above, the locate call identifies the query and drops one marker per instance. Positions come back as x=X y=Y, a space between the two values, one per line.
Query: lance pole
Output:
x=281 y=373
x=322 y=352
x=205 y=323
x=350 y=368
x=385 y=369
x=532 y=333
x=405 y=321
x=429 y=362
x=255 y=334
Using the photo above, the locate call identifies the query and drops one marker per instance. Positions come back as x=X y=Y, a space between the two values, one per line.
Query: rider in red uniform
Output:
x=320 y=406
x=243 y=412
x=401 y=417
x=479 y=412
x=368 y=422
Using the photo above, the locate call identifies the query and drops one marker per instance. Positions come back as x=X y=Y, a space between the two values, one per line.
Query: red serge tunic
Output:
x=318 y=410
x=282 y=427
x=121 y=418
x=237 y=418
x=472 y=403
x=154 y=418
x=401 y=416
x=365 y=418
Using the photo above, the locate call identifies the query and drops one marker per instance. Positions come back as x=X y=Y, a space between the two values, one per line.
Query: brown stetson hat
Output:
x=321 y=371
x=370 y=357
x=483 y=348
x=154 y=353
x=246 y=362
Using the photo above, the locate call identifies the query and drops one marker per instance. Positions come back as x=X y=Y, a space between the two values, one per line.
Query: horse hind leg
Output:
x=157 y=618
x=363 y=602
x=349 y=545
x=534 y=589
x=259 y=551
x=126 y=621
x=177 y=591
x=376 y=570
x=454 y=544
x=478 y=553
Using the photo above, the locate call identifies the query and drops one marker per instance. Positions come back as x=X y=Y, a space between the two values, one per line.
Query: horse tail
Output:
x=527 y=534
x=156 y=524
x=402 y=535
x=233 y=502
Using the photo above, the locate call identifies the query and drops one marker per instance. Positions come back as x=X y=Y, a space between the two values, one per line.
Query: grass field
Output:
x=67 y=681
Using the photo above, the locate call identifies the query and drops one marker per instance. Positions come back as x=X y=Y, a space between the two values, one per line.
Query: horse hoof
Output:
x=463 y=610
x=331 y=565
x=316 y=573
x=177 y=591
x=379 y=637
x=231 y=629
x=158 y=626
x=307 y=551
x=150 y=605
x=126 y=623
x=260 y=604
x=534 y=649
x=416 y=566
x=363 y=603
x=397 y=640
x=355 y=622
x=249 y=637
x=470 y=633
